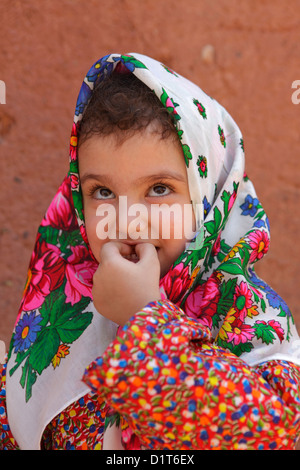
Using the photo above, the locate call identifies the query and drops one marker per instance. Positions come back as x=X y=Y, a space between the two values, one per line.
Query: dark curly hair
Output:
x=123 y=105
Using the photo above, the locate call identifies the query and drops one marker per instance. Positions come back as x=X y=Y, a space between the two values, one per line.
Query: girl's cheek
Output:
x=180 y=228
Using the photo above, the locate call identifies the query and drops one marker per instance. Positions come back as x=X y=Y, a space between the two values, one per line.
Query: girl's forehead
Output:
x=141 y=153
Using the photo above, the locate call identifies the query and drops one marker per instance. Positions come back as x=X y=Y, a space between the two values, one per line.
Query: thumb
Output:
x=146 y=253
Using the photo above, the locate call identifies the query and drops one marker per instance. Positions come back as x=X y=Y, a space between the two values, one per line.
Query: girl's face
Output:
x=128 y=191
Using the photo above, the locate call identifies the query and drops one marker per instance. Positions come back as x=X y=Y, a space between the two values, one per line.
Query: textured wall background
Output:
x=47 y=47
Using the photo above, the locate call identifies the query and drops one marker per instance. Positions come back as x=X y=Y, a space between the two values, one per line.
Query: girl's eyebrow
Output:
x=106 y=179
x=93 y=176
x=171 y=175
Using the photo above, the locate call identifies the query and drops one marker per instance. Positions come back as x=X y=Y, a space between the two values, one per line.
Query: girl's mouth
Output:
x=133 y=257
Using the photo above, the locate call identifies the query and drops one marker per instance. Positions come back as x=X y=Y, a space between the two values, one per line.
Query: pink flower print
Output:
x=277 y=328
x=129 y=440
x=85 y=238
x=243 y=299
x=217 y=246
x=79 y=273
x=176 y=282
x=232 y=199
x=240 y=334
x=275 y=325
x=259 y=242
x=202 y=303
x=201 y=108
x=192 y=305
x=170 y=104
x=74 y=180
x=60 y=214
x=46 y=273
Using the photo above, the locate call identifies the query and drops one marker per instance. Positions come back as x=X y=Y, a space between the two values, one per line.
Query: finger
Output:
x=146 y=252
x=114 y=249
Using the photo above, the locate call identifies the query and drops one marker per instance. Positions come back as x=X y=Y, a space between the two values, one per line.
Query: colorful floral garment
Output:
x=219 y=401
x=178 y=390
x=244 y=326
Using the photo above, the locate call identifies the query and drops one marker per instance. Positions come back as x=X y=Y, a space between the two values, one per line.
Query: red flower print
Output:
x=243 y=301
x=217 y=246
x=259 y=242
x=85 y=238
x=201 y=108
x=74 y=181
x=79 y=273
x=240 y=334
x=46 y=273
x=60 y=214
x=73 y=143
x=202 y=166
x=175 y=282
x=275 y=325
x=277 y=328
x=129 y=440
x=202 y=303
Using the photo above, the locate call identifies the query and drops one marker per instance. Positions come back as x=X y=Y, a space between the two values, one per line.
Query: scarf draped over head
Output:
x=58 y=331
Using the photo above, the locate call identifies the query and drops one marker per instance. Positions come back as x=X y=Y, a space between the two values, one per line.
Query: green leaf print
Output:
x=44 y=349
x=170 y=105
x=227 y=290
x=62 y=323
x=72 y=329
x=232 y=266
x=187 y=154
x=186 y=149
x=137 y=64
x=264 y=332
x=28 y=379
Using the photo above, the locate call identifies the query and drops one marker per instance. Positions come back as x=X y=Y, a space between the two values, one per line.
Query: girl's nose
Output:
x=133 y=220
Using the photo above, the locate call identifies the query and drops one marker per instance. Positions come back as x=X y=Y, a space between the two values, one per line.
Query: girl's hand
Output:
x=122 y=287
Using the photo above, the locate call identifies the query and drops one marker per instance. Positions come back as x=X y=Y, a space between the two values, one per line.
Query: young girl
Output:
x=182 y=346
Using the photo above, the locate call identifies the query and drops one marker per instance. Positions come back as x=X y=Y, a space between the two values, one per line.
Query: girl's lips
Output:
x=133 y=256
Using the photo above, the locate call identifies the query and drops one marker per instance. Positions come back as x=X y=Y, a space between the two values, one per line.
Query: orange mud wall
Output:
x=246 y=54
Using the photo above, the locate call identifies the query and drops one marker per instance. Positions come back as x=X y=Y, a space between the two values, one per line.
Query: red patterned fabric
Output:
x=177 y=390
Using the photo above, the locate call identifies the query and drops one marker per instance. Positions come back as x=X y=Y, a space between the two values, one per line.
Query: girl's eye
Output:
x=159 y=190
x=103 y=193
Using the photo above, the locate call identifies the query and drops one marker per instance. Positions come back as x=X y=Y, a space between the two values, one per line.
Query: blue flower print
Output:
x=98 y=68
x=83 y=98
x=206 y=206
x=130 y=66
x=26 y=331
x=130 y=62
x=259 y=223
x=273 y=298
x=250 y=206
